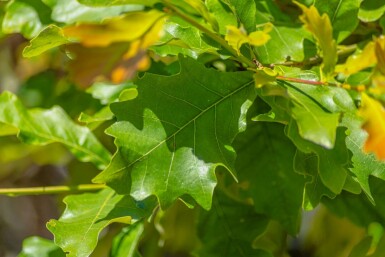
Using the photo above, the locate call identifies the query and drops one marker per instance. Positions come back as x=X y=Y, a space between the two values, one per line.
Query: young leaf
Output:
x=245 y=12
x=47 y=126
x=86 y=215
x=236 y=37
x=119 y=29
x=322 y=30
x=176 y=132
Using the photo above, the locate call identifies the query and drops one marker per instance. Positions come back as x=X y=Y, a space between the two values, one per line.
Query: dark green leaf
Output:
x=371 y=10
x=265 y=162
x=177 y=131
x=230 y=228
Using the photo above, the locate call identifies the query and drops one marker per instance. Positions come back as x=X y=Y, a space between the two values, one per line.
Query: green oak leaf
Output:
x=265 y=162
x=245 y=12
x=286 y=43
x=363 y=164
x=308 y=164
x=331 y=162
x=50 y=37
x=371 y=10
x=109 y=93
x=40 y=247
x=181 y=36
x=63 y=11
x=40 y=127
x=176 y=132
x=25 y=17
x=223 y=14
x=126 y=242
x=230 y=228
x=343 y=16
x=86 y=215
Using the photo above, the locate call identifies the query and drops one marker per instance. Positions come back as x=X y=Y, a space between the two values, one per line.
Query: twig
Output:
x=50 y=189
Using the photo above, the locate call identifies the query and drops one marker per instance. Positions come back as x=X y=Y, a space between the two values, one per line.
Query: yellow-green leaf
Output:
x=52 y=36
x=120 y=29
x=321 y=28
x=236 y=37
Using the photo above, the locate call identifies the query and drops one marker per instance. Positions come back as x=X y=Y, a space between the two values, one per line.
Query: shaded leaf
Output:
x=172 y=135
x=245 y=12
x=265 y=162
x=125 y=244
x=222 y=14
x=86 y=215
x=222 y=229
x=40 y=247
x=322 y=30
x=42 y=127
x=331 y=165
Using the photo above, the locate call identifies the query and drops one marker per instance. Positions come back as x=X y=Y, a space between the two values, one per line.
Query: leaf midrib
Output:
x=188 y=123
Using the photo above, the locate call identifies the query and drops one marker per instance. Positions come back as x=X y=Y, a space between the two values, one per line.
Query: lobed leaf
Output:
x=265 y=163
x=47 y=126
x=322 y=30
x=86 y=215
x=176 y=132
x=230 y=228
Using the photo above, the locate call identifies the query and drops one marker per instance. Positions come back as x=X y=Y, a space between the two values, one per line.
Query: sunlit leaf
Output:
x=63 y=11
x=117 y=2
x=42 y=127
x=52 y=36
x=172 y=134
x=321 y=28
x=371 y=10
x=86 y=215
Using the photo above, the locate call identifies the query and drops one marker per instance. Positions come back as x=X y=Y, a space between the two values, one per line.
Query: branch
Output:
x=50 y=189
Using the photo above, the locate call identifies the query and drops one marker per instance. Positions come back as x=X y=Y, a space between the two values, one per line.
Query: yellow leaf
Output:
x=380 y=54
x=237 y=37
x=373 y=114
x=357 y=62
x=119 y=29
x=264 y=76
x=321 y=28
